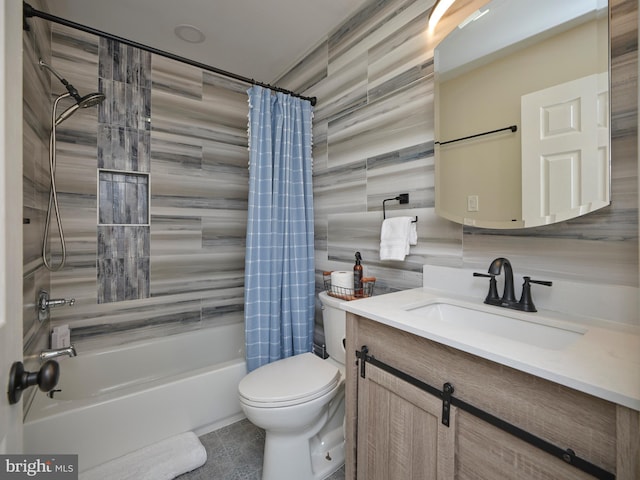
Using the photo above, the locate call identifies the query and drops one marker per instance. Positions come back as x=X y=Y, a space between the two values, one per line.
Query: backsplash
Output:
x=580 y=299
x=373 y=139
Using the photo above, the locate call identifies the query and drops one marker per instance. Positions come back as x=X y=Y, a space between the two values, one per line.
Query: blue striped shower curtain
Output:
x=279 y=299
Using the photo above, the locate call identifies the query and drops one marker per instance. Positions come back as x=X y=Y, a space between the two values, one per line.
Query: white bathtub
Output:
x=117 y=400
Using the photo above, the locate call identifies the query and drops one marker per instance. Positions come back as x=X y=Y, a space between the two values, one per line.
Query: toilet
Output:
x=299 y=402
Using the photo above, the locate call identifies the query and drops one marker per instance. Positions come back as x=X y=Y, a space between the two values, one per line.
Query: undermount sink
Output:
x=540 y=331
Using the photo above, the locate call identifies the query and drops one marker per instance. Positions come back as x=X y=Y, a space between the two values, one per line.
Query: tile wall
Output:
x=186 y=148
x=373 y=139
x=36 y=125
x=124 y=151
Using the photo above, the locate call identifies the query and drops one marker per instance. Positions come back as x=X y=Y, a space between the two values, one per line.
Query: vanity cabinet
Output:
x=395 y=429
x=400 y=431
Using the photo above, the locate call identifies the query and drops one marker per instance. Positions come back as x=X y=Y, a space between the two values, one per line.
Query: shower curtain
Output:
x=279 y=300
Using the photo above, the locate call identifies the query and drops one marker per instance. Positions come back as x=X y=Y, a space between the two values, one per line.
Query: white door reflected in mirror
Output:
x=565 y=150
x=492 y=74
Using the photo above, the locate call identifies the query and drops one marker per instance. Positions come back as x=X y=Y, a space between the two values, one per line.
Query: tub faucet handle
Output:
x=45 y=303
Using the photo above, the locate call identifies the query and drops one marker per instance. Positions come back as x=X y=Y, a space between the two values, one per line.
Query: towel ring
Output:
x=402 y=198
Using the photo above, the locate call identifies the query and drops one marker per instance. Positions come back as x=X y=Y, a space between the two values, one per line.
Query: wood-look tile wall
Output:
x=373 y=139
x=36 y=121
x=198 y=182
x=124 y=151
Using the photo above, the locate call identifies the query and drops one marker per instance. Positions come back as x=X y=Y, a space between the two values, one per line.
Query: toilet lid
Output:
x=291 y=380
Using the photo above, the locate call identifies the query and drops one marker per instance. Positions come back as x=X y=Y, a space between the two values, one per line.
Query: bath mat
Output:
x=164 y=460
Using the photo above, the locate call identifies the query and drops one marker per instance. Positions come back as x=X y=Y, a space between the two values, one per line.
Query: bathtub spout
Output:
x=58 y=352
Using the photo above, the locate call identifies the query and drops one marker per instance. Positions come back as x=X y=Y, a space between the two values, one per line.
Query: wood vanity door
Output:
x=400 y=433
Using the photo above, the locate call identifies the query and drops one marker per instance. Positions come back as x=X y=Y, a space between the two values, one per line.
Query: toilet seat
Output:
x=290 y=381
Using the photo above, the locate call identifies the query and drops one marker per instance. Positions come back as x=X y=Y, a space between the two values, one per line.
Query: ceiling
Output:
x=499 y=28
x=257 y=39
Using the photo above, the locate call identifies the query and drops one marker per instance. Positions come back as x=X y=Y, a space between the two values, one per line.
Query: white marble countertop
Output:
x=603 y=360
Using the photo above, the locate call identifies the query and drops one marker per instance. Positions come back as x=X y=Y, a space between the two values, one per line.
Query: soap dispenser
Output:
x=357 y=276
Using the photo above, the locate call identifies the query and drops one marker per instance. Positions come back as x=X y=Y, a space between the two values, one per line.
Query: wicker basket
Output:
x=349 y=293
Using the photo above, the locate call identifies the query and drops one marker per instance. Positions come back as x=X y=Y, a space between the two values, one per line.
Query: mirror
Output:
x=522 y=114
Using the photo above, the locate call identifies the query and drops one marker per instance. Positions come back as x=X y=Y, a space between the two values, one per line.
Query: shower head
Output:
x=87 y=101
x=91 y=100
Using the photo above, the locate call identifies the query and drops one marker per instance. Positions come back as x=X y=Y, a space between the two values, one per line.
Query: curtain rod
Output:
x=29 y=11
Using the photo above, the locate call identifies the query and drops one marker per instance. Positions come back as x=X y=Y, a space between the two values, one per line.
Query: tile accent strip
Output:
x=124 y=147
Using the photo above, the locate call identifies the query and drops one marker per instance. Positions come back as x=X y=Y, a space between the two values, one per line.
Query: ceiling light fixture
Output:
x=189 y=33
x=473 y=17
x=438 y=10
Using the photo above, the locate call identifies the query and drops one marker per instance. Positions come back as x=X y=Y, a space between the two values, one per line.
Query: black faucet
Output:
x=508 y=298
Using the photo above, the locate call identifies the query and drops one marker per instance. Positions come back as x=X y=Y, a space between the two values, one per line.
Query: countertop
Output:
x=603 y=361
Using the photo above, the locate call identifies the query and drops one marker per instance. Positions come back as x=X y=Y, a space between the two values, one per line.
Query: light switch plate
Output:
x=472 y=203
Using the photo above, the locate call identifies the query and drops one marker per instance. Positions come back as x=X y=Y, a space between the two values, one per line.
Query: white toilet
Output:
x=299 y=402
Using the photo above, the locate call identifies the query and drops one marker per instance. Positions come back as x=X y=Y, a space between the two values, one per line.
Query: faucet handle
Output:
x=526 y=302
x=492 y=297
x=45 y=303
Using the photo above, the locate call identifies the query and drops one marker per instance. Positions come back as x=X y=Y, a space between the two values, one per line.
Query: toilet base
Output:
x=329 y=457
x=313 y=460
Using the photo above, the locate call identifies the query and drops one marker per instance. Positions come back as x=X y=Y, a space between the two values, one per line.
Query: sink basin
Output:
x=540 y=331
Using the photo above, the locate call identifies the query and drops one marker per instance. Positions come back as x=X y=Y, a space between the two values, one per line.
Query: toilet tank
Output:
x=334 y=320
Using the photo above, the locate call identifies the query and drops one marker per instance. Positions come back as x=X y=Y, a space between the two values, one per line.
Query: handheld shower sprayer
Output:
x=89 y=100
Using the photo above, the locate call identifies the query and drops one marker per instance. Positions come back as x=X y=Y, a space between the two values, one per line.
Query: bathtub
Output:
x=117 y=400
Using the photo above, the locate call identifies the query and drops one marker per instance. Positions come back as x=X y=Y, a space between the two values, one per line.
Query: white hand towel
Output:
x=413 y=232
x=395 y=238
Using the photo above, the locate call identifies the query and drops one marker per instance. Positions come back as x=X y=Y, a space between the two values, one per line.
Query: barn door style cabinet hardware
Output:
x=420 y=409
x=448 y=400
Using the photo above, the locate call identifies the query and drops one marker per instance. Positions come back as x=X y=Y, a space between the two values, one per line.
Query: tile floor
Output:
x=235 y=453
